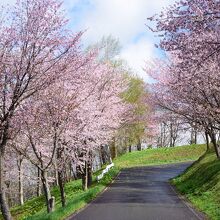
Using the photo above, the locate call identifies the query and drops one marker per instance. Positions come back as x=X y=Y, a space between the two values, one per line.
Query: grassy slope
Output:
x=160 y=156
x=201 y=185
x=76 y=198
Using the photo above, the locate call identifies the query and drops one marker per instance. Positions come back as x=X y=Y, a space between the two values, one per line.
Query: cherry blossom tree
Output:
x=71 y=119
x=187 y=94
x=191 y=28
x=102 y=113
x=189 y=82
x=35 y=48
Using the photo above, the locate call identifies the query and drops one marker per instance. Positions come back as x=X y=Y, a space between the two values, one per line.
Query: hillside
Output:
x=160 y=156
x=201 y=185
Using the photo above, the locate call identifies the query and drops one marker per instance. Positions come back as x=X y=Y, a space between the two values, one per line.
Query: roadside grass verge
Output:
x=76 y=197
x=35 y=209
x=200 y=183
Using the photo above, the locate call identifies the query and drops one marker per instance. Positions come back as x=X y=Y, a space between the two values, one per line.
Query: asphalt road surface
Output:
x=142 y=193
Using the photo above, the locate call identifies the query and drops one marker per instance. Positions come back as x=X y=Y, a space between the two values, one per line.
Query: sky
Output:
x=123 y=19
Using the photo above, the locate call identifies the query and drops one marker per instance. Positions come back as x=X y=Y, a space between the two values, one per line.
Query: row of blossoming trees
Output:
x=187 y=84
x=58 y=104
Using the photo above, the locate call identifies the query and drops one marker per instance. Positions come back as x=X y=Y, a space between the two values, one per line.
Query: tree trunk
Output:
x=113 y=150
x=67 y=173
x=109 y=154
x=171 y=135
x=89 y=173
x=129 y=148
x=213 y=139
x=74 y=170
x=195 y=136
x=207 y=140
x=38 y=182
x=20 y=182
x=56 y=173
x=85 y=178
x=8 y=193
x=139 y=145
x=103 y=154
x=46 y=187
x=70 y=171
x=4 y=206
x=78 y=172
x=61 y=186
x=192 y=140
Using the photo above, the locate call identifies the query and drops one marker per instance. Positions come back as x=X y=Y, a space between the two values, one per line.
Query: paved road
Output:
x=141 y=194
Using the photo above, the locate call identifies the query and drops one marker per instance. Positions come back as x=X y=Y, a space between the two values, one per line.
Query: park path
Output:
x=141 y=193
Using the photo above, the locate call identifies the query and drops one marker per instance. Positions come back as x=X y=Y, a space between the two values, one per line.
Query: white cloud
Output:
x=124 y=19
x=136 y=53
x=121 y=18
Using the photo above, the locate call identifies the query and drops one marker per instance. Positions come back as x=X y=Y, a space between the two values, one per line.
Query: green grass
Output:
x=160 y=156
x=201 y=185
x=35 y=209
